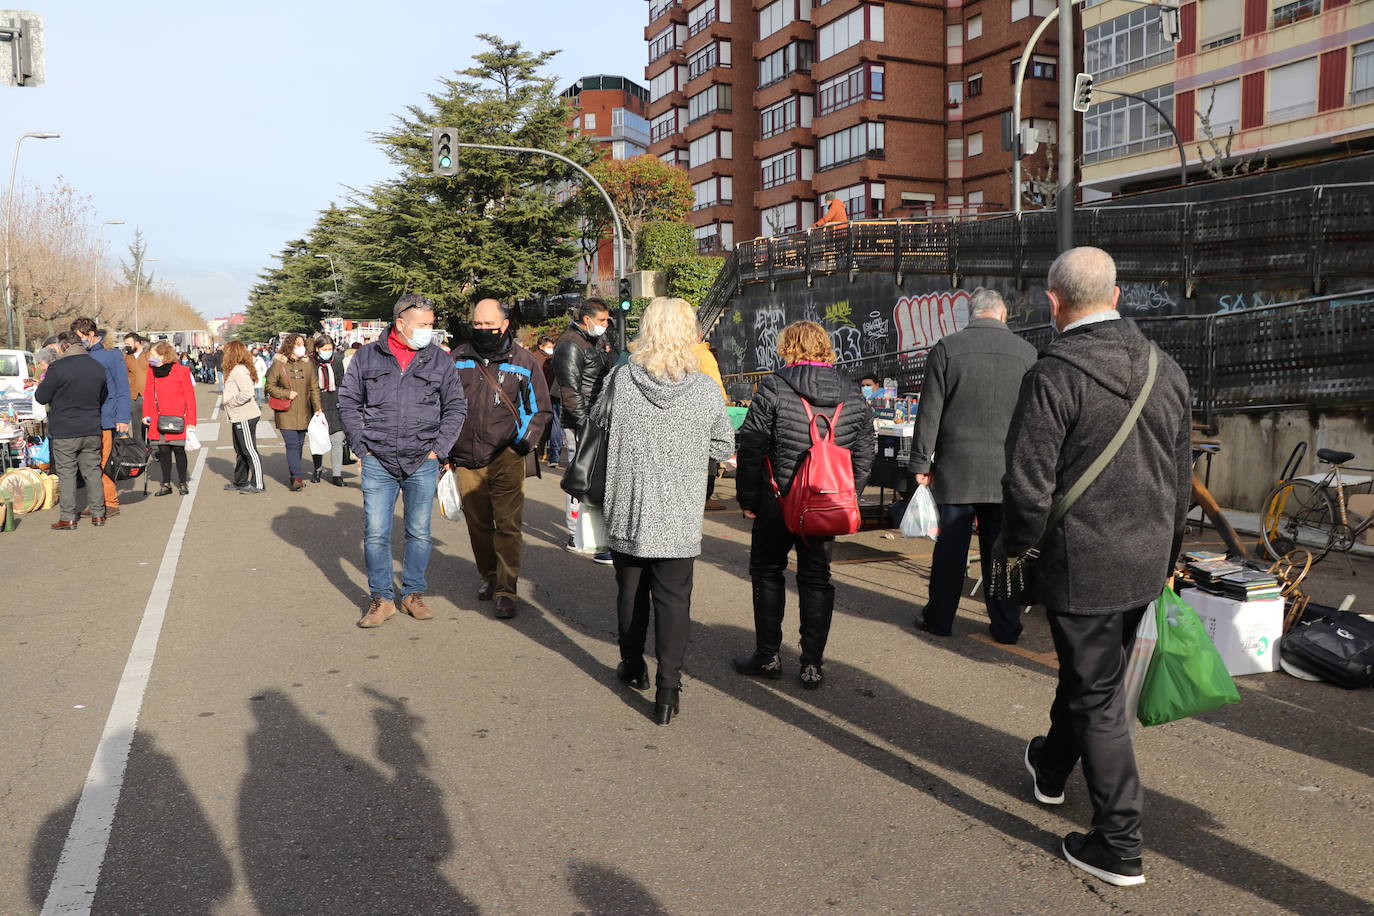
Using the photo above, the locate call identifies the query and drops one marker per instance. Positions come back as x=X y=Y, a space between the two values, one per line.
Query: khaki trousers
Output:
x=493 y=500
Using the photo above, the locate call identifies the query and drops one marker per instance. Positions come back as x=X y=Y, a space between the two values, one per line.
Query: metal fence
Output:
x=1311 y=233
x=1316 y=352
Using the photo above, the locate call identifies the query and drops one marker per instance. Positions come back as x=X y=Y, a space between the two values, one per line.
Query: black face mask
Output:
x=129 y=350
x=489 y=341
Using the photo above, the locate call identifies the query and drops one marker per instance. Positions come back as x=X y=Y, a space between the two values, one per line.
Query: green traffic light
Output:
x=445 y=161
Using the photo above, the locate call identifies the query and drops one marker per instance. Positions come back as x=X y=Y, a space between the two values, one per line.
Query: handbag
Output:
x=1010 y=576
x=277 y=403
x=585 y=478
x=174 y=426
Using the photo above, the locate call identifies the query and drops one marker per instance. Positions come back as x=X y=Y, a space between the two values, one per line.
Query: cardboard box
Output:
x=1360 y=507
x=1246 y=633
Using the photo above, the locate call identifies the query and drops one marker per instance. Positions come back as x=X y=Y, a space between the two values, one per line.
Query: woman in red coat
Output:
x=169 y=393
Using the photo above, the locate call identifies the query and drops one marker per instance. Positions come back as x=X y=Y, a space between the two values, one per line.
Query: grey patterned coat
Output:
x=660 y=435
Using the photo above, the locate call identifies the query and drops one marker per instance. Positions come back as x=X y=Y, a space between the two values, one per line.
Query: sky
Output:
x=221 y=129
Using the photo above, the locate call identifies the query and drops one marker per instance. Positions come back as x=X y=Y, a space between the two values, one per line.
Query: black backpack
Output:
x=1338 y=647
x=128 y=459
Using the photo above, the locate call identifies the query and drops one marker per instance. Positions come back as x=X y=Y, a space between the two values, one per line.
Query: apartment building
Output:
x=896 y=108
x=611 y=110
x=1269 y=80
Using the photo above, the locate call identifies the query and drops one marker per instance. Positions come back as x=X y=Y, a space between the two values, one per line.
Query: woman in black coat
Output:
x=775 y=434
x=327 y=365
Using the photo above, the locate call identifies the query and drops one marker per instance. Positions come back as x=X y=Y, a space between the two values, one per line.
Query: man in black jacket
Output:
x=775 y=435
x=1110 y=555
x=74 y=391
x=959 y=451
x=581 y=361
x=508 y=408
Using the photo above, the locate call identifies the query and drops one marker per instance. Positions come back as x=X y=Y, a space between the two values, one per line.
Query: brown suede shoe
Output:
x=378 y=612
x=414 y=605
x=505 y=607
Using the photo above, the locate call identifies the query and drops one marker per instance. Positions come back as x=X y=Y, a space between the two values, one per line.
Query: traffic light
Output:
x=1082 y=91
x=626 y=299
x=444 y=141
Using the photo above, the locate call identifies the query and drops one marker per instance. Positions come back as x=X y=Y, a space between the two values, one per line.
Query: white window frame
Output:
x=973 y=145
x=851 y=144
x=1362 y=73
x=973 y=27
x=863 y=23
x=1292 y=91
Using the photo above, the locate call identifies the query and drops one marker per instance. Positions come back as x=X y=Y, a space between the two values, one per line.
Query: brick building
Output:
x=1279 y=81
x=894 y=107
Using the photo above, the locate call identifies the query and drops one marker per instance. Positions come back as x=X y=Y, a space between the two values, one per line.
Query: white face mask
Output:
x=325 y=355
x=421 y=337
x=596 y=330
x=298 y=352
x=548 y=351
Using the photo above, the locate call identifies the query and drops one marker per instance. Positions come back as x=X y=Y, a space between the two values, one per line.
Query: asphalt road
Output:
x=285 y=761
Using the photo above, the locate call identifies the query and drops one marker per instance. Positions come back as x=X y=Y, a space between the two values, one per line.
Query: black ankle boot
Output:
x=638 y=679
x=667 y=703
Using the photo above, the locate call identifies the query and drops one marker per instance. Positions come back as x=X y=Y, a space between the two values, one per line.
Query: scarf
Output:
x=326 y=375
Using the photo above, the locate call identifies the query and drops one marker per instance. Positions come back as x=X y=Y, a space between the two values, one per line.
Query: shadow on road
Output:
x=323 y=831
x=163 y=855
x=607 y=892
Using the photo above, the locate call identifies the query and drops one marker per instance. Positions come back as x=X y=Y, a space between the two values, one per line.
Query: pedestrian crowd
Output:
x=1002 y=434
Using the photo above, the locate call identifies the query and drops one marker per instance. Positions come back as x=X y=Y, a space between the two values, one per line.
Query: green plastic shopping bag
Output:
x=1187 y=675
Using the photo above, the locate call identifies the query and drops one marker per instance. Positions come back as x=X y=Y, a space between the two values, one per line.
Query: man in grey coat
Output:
x=959 y=451
x=1110 y=555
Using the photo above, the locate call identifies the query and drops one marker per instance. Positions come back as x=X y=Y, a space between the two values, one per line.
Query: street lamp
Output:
x=9 y=210
x=100 y=256
x=138 y=281
x=333 y=272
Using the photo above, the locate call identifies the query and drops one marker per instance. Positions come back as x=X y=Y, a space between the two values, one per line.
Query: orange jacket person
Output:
x=835 y=213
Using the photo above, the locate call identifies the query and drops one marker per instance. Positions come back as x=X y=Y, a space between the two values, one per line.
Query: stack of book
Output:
x=1206 y=571
x=1248 y=585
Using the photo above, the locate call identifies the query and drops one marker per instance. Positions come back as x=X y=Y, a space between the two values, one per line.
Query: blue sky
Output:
x=200 y=122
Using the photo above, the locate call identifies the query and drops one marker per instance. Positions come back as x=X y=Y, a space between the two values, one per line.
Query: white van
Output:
x=18 y=380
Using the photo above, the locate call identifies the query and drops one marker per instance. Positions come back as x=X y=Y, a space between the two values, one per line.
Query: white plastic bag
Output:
x=588 y=526
x=192 y=441
x=1138 y=664
x=921 y=519
x=450 y=503
x=318 y=434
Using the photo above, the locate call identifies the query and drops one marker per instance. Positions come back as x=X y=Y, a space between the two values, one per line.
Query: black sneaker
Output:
x=1088 y=852
x=812 y=676
x=769 y=666
x=604 y=558
x=1045 y=793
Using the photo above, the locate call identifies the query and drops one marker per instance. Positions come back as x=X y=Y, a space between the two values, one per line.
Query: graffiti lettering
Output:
x=847 y=344
x=839 y=313
x=875 y=330
x=922 y=320
x=1239 y=302
x=767 y=324
x=1146 y=298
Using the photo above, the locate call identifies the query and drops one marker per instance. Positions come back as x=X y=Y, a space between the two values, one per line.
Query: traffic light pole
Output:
x=618 y=251
x=1067 y=186
x=1168 y=122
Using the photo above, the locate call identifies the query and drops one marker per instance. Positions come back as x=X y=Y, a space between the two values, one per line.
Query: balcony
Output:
x=1296 y=12
x=662 y=6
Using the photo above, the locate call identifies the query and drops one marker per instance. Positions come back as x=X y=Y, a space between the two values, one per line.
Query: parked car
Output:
x=18 y=381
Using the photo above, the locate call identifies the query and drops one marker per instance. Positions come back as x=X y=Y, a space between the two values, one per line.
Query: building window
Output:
x=670 y=39
x=975 y=144
x=788 y=217
x=667 y=82
x=864 y=23
x=954 y=150
x=718 y=144
x=782 y=168
x=675 y=157
x=795 y=57
x=973 y=27
x=1220 y=22
x=1296 y=12
x=1125 y=44
x=954 y=36
x=712 y=192
x=975 y=201
x=864 y=200
x=1020 y=9
x=716 y=54
x=659 y=8
x=1292 y=91
x=702 y=16
x=665 y=125
x=708 y=101
x=975 y=85
x=791 y=112
x=850 y=145
x=1362 y=73
x=1218 y=107
x=781 y=13
x=863 y=82
x=1124 y=127
x=954 y=94
x=714 y=237
x=1042 y=68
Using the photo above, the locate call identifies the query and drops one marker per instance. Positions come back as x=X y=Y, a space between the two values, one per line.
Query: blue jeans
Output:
x=555 y=449
x=294 y=439
x=379 y=506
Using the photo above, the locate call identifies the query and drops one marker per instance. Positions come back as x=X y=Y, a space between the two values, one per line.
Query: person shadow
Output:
x=604 y=891
x=321 y=830
x=163 y=854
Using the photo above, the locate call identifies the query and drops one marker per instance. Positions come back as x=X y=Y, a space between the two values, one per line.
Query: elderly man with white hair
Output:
x=971 y=382
x=1106 y=556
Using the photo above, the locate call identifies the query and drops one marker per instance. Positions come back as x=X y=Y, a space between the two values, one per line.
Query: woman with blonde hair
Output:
x=169 y=399
x=664 y=420
x=241 y=407
x=775 y=435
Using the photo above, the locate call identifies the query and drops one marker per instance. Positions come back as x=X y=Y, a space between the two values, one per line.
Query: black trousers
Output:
x=165 y=454
x=768 y=549
x=666 y=587
x=948 y=566
x=247 y=461
x=137 y=431
x=1089 y=720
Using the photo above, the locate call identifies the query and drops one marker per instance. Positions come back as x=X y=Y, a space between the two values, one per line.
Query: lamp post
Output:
x=100 y=256
x=337 y=310
x=9 y=210
x=138 y=282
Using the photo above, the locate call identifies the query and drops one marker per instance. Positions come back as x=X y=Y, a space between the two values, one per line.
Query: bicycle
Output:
x=1310 y=513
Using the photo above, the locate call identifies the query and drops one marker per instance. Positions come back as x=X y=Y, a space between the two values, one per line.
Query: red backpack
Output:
x=821 y=502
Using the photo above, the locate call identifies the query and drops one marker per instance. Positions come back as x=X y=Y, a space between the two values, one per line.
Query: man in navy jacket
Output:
x=115 y=412
x=402 y=407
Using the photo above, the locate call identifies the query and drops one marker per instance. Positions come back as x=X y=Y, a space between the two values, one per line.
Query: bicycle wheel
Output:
x=1297 y=513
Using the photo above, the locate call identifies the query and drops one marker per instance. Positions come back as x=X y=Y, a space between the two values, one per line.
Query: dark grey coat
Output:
x=1117 y=544
x=967 y=399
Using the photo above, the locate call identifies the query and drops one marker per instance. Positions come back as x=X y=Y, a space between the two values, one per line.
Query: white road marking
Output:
x=78 y=870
